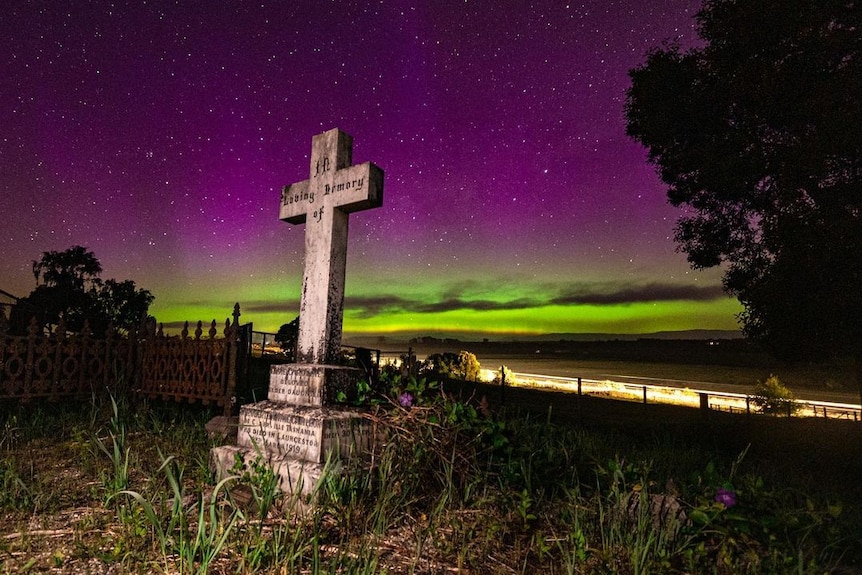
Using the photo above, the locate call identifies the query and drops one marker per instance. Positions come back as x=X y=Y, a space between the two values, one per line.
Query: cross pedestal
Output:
x=299 y=428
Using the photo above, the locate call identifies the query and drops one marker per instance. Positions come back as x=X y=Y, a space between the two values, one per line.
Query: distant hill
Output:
x=380 y=341
x=686 y=334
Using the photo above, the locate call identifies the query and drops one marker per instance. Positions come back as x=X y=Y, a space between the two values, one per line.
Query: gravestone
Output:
x=298 y=428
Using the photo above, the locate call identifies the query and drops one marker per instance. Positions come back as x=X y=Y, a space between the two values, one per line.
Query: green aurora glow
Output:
x=458 y=307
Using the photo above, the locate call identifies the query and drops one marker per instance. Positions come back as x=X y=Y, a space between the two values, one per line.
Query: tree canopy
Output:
x=287 y=337
x=68 y=286
x=70 y=269
x=756 y=134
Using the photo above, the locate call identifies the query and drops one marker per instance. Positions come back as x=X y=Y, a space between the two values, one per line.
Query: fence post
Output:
x=231 y=333
x=412 y=363
x=502 y=385
x=579 y=386
x=645 y=390
x=704 y=403
x=28 y=365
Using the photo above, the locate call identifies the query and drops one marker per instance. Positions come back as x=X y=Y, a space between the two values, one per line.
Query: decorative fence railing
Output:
x=61 y=365
x=192 y=369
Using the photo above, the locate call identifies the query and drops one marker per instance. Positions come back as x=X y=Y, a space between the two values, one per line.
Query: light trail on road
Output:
x=676 y=395
x=681 y=392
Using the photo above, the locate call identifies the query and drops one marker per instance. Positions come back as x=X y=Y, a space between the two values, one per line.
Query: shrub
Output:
x=464 y=366
x=505 y=377
x=773 y=398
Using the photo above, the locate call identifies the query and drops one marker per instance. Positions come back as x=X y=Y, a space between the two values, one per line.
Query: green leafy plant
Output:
x=196 y=543
x=14 y=493
x=523 y=508
x=261 y=480
x=118 y=476
x=364 y=395
x=771 y=397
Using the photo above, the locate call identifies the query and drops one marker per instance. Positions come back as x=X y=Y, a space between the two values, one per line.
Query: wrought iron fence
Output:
x=63 y=365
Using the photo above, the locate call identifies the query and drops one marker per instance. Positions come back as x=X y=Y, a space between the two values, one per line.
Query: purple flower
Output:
x=726 y=497
x=405 y=399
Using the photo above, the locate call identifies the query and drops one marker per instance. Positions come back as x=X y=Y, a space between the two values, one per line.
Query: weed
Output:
x=10 y=434
x=210 y=534
x=196 y=543
x=449 y=487
x=14 y=493
x=118 y=477
x=261 y=480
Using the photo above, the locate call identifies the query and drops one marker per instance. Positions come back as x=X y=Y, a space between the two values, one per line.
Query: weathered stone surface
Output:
x=297 y=429
x=303 y=432
x=334 y=189
x=295 y=477
x=310 y=384
x=222 y=427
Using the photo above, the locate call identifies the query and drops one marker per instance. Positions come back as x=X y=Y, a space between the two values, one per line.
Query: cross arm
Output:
x=357 y=188
x=295 y=203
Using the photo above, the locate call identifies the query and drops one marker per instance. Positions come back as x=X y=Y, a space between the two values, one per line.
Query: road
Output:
x=727 y=380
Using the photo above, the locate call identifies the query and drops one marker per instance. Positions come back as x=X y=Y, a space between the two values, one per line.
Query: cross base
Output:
x=297 y=441
x=313 y=384
x=304 y=433
x=298 y=479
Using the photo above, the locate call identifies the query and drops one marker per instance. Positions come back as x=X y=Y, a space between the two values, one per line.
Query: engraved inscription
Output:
x=283 y=433
x=297 y=387
x=295 y=194
x=321 y=166
x=343 y=186
x=302 y=433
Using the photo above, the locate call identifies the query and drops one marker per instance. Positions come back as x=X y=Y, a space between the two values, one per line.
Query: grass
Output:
x=461 y=484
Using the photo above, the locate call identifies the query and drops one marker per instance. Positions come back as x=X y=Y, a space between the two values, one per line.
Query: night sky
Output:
x=159 y=135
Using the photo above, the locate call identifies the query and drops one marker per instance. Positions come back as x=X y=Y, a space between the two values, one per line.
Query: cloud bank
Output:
x=593 y=295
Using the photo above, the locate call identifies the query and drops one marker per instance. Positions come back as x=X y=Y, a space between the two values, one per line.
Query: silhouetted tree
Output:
x=120 y=303
x=69 y=269
x=287 y=336
x=68 y=286
x=756 y=133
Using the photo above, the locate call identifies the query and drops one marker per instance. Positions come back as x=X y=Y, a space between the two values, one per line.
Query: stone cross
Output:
x=334 y=189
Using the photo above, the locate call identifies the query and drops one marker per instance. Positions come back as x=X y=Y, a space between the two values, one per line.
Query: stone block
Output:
x=222 y=427
x=295 y=478
x=312 y=384
x=304 y=433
